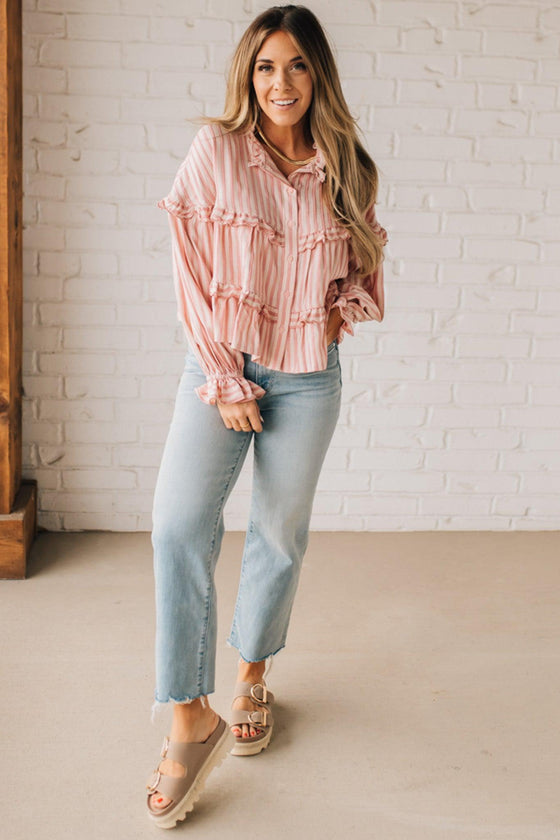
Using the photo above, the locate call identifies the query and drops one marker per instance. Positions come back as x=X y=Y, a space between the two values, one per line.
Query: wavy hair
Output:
x=351 y=183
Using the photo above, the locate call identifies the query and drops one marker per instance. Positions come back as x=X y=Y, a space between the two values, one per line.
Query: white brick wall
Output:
x=452 y=405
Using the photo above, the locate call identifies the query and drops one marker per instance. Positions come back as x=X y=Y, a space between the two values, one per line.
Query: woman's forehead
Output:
x=278 y=44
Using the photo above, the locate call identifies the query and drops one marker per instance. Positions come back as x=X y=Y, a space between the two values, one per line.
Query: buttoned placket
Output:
x=291 y=237
x=290 y=214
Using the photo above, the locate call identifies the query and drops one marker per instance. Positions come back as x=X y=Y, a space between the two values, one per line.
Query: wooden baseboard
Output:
x=17 y=532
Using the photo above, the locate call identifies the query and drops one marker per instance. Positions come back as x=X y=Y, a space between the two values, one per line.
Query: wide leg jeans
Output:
x=201 y=462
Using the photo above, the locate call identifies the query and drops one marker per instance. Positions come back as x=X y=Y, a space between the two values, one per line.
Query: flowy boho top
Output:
x=259 y=262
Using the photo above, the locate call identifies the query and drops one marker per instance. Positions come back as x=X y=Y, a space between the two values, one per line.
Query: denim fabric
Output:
x=201 y=462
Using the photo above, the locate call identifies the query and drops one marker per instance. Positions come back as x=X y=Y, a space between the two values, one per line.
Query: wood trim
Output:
x=17 y=532
x=18 y=506
x=10 y=251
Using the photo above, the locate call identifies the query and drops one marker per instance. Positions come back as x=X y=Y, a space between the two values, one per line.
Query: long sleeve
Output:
x=359 y=298
x=189 y=205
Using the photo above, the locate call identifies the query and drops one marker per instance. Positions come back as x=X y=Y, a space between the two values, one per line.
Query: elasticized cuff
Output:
x=355 y=305
x=228 y=388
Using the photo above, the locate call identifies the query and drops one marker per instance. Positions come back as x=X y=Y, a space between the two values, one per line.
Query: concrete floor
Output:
x=418 y=696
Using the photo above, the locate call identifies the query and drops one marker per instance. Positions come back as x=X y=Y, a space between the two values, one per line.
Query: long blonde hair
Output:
x=351 y=182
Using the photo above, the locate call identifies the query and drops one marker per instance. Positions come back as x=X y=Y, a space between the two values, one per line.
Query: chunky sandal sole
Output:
x=186 y=804
x=253 y=747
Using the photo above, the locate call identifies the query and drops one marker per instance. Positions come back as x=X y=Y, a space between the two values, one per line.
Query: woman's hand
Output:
x=241 y=416
x=333 y=324
x=245 y=416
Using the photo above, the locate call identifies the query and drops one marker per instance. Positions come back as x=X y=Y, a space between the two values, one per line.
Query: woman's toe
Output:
x=158 y=801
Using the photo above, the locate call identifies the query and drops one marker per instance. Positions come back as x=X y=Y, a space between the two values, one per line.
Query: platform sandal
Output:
x=261 y=717
x=198 y=760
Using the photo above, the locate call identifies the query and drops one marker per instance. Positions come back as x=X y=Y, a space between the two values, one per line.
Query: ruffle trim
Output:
x=246 y=298
x=316 y=315
x=228 y=388
x=221 y=215
x=182 y=210
x=311 y=240
x=234 y=219
x=231 y=218
x=251 y=304
x=240 y=326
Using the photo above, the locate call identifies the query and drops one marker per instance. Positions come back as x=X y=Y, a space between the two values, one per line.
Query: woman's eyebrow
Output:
x=270 y=61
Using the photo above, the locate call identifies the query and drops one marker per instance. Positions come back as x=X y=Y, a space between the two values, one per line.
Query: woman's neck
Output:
x=290 y=139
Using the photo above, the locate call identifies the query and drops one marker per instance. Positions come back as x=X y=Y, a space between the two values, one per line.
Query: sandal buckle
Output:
x=263 y=714
x=255 y=697
x=165 y=747
x=156 y=775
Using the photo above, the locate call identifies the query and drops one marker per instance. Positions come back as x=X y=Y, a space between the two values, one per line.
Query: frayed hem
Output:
x=269 y=657
x=159 y=705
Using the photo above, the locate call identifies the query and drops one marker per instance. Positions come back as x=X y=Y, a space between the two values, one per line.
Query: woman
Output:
x=277 y=253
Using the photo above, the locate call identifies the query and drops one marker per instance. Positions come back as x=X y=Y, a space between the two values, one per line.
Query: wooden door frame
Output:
x=17 y=499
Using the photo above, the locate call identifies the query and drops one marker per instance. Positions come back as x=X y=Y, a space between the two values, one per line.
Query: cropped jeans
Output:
x=201 y=462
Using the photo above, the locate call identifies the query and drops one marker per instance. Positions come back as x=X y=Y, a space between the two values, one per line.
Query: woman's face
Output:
x=281 y=81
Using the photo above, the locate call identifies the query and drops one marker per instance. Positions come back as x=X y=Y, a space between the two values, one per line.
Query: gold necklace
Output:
x=281 y=154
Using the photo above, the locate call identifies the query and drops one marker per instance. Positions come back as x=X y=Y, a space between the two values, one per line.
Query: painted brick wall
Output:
x=452 y=405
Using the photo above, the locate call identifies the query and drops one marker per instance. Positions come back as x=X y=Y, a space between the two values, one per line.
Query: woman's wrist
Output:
x=335 y=321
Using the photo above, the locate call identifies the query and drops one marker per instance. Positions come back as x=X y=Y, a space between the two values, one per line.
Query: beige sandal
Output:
x=198 y=759
x=261 y=718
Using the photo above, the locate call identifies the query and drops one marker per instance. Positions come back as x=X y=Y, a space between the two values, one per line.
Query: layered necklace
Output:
x=281 y=154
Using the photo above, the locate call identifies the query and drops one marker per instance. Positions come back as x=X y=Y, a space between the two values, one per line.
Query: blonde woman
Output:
x=276 y=254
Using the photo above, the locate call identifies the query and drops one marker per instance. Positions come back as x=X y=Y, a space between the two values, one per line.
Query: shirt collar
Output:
x=259 y=157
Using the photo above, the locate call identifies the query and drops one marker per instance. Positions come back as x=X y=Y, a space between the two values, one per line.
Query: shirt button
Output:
x=290 y=259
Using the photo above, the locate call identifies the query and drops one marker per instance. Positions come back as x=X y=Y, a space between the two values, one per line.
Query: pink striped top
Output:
x=258 y=263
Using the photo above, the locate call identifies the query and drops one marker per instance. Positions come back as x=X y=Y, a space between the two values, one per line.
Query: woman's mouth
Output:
x=284 y=104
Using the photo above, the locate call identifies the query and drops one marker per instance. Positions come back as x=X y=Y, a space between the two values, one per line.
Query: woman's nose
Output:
x=281 y=81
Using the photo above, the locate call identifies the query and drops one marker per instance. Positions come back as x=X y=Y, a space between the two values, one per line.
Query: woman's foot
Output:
x=192 y=723
x=252 y=672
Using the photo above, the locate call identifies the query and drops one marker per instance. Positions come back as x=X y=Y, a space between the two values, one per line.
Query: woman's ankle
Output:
x=251 y=671
x=192 y=720
x=191 y=713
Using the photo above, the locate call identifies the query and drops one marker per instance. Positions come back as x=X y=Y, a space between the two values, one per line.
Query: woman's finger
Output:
x=245 y=425
x=241 y=417
x=254 y=417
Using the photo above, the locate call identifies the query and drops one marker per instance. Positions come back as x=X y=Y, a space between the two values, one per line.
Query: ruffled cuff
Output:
x=228 y=388
x=355 y=305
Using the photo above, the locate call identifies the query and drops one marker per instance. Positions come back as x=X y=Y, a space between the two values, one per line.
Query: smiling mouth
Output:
x=283 y=103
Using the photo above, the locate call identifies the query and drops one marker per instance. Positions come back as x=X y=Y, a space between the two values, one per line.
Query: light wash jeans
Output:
x=201 y=462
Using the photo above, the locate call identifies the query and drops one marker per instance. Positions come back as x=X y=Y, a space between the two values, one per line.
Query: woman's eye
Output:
x=264 y=68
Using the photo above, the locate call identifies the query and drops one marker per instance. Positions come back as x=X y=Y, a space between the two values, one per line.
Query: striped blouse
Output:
x=258 y=263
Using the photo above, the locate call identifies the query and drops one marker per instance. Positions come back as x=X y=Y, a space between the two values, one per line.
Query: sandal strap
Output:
x=173 y=787
x=187 y=754
x=258 y=692
x=258 y=717
x=191 y=755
